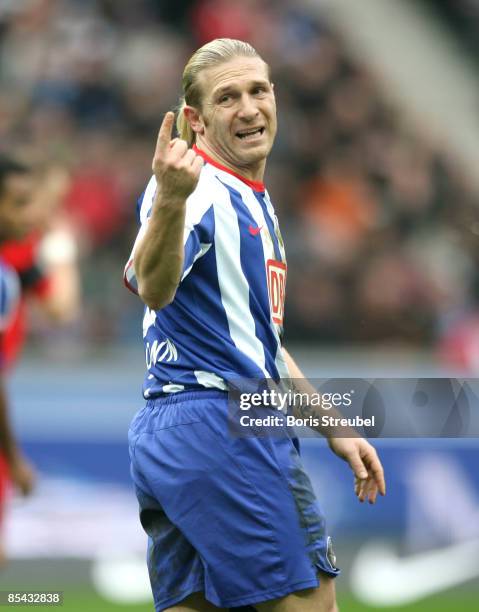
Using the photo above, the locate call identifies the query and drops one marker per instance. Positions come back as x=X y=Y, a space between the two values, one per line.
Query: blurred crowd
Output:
x=462 y=17
x=380 y=225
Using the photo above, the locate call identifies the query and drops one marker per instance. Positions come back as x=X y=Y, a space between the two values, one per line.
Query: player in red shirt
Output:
x=15 y=201
x=38 y=257
x=22 y=256
x=45 y=261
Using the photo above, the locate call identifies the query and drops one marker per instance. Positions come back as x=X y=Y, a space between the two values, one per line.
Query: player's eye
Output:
x=225 y=98
x=259 y=90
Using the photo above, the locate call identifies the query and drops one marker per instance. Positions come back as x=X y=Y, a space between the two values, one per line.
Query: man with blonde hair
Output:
x=232 y=520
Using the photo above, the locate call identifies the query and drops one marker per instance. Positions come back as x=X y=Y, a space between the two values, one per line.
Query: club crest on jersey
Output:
x=276 y=275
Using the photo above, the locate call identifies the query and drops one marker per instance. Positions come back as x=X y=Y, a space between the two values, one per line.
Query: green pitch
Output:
x=465 y=602
x=82 y=601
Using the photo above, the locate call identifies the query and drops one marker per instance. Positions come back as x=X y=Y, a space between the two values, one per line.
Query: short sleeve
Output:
x=198 y=233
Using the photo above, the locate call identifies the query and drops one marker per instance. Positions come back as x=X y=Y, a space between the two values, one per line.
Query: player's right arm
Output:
x=158 y=257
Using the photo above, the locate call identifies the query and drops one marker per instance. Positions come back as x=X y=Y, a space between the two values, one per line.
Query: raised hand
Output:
x=176 y=168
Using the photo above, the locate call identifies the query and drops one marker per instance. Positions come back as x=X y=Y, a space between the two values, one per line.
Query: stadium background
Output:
x=374 y=175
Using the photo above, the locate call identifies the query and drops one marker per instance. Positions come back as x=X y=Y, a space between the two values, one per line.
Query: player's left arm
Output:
x=55 y=274
x=60 y=293
x=355 y=450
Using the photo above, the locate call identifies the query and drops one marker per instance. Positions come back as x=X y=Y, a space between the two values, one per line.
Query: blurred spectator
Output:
x=462 y=17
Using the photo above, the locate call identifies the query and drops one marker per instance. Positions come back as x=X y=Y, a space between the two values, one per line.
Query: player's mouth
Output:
x=250 y=134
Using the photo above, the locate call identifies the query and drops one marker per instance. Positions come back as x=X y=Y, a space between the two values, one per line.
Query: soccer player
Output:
x=15 y=201
x=232 y=521
x=45 y=261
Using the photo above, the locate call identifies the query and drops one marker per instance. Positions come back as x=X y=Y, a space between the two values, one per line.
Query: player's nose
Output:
x=247 y=108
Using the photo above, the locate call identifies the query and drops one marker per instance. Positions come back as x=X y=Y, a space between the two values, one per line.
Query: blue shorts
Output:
x=233 y=517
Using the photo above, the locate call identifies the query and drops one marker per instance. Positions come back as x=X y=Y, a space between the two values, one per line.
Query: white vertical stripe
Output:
x=148 y=198
x=257 y=212
x=233 y=285
x=279 y=359
x=145 y=208
x=274 y=218
x=199 y=201
x=280 y=363
x=258 y=215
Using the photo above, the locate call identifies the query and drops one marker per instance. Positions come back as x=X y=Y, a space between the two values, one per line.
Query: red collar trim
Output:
x=255 y=185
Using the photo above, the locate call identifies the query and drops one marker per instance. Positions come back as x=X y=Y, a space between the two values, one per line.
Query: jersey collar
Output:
x=255 y=185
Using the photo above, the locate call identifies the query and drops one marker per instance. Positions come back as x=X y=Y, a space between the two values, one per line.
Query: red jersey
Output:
x=22 y=256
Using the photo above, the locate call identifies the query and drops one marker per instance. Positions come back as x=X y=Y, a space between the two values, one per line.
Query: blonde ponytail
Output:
x=182 y=126
x=213 y=53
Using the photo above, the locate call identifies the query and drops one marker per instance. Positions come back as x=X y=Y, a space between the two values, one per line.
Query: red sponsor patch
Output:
x=276 y=275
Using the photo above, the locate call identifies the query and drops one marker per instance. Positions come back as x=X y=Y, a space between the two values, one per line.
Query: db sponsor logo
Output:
x=276 y=274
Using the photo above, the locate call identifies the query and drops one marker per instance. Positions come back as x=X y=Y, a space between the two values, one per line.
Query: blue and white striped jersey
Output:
x=226 y=319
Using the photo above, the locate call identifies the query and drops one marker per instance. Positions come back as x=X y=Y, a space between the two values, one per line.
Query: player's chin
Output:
x=254 y=152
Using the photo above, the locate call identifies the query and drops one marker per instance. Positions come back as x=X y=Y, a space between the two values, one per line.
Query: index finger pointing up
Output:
x=164 y=135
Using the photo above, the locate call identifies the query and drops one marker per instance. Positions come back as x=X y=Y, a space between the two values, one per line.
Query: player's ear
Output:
x=194 y=118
